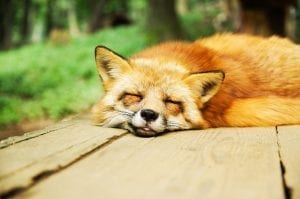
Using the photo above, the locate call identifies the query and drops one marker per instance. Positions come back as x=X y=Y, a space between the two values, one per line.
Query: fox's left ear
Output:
x=110 y=65
x=206 y=83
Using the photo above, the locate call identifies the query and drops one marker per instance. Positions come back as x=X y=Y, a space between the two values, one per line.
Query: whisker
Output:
x=126 y=113
x=172 y=124
x=112 y=118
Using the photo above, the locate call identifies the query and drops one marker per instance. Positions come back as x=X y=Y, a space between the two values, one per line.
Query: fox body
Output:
x=227 y=80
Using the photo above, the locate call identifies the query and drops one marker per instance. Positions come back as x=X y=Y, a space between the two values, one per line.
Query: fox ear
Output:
x=207 y=83
x=110 y=65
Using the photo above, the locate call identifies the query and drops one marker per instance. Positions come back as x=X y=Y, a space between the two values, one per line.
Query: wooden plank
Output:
x=289 y=143
x=23 y=162
x=215 y=163
x=30 y=135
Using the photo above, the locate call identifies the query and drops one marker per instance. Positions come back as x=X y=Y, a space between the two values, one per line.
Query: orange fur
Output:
x=261 y=85
x=254 y=67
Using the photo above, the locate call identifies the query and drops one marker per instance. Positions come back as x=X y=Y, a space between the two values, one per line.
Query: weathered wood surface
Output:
x=77 y=160
x=28 y=157
x=289 y=143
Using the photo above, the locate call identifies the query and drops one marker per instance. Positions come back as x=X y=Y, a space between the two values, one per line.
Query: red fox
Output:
x=226 y=80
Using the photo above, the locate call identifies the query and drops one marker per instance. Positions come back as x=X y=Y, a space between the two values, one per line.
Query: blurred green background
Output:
x=47 y=69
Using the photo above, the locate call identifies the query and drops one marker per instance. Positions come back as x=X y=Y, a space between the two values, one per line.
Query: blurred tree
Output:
x=108 y=13
x=72 y=19
x=33 y=20
x=162 y=21
x=25 y=21
x=298 y=21
x=59 y=15
x=183 y=6
x=262 y=17
x=97 y=15
x=6 y=21
x=49 y=21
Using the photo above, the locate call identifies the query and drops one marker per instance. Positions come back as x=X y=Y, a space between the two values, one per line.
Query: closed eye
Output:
x=172 y=101
x=131 y=98
x=174 y=107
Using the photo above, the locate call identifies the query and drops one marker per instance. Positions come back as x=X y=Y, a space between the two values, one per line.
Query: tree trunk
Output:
x=182 y=6
x=163 y=22
x=261 y=17
x=232 y=10
x=49 y=24
x=72 y=19
x=297 y=32
x=264 y=18
x=97 y=16
x=25 y=22
x=6 y=21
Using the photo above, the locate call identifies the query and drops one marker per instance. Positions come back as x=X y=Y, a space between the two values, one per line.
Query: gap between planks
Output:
x=286 y=188
x=289 y=150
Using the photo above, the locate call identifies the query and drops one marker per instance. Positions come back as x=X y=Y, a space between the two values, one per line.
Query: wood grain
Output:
x=30 y=135
x=215 y=163
x=289 y=143
x=23 y=162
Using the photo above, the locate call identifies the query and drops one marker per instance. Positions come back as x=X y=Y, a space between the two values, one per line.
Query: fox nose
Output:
x=149 y=115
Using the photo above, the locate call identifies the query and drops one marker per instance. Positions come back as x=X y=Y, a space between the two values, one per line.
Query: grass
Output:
x=52 y=81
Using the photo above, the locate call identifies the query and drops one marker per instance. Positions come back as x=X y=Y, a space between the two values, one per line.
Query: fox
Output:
x=225 y=80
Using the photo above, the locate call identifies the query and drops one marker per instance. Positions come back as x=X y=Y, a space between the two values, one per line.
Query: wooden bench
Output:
x=74 y=159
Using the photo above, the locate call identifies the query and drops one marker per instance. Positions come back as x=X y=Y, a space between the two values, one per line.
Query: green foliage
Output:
x=199 y=20
x=44 y=80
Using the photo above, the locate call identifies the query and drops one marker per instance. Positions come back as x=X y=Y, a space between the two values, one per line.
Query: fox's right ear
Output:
x=208 y=83
x=110 y=65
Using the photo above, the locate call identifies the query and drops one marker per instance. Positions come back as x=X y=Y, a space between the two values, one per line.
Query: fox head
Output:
x=151 y=96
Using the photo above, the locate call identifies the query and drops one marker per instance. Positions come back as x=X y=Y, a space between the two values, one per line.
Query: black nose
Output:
x=149 y=115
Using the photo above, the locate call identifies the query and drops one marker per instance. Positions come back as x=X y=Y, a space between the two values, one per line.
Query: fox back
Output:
x=226 y=80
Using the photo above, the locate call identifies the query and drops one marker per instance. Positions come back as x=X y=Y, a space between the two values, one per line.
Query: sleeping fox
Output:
x=227 y=80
